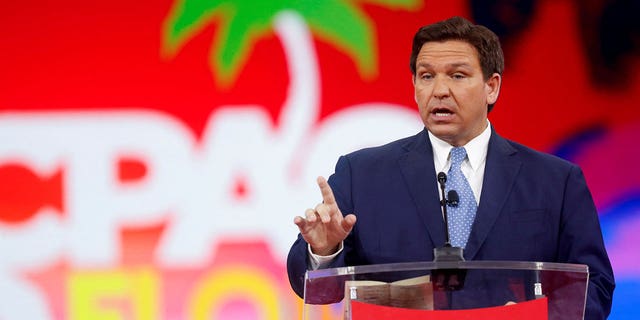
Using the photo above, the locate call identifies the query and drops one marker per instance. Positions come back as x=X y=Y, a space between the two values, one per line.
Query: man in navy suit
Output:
x=531 y=206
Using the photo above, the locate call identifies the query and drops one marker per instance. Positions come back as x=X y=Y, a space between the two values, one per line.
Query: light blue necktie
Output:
x=461 y=216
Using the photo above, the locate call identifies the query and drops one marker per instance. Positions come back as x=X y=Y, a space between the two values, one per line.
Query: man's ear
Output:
x=492 y=87
x=413 y=81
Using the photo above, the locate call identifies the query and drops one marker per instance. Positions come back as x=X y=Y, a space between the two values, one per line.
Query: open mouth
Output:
x=441 y=112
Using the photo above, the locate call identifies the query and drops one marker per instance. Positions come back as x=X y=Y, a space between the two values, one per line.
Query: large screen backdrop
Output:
x=153 y=154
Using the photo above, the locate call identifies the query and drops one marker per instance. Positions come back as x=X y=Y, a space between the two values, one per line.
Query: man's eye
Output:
x=426 y=76
x=458 y=76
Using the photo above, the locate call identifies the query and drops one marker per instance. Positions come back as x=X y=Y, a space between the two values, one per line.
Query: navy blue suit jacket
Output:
x=533 y=207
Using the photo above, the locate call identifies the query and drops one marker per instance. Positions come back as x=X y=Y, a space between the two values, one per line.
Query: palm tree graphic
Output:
x=339 y=22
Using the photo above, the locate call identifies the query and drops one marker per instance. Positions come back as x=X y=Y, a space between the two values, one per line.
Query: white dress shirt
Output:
x=472 y=167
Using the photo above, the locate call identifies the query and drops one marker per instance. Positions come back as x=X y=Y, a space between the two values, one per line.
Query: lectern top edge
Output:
x=431 y=265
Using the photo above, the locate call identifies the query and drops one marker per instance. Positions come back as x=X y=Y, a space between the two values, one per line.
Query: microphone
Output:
x=448 y=279
x=452 y=198
x=442 y=179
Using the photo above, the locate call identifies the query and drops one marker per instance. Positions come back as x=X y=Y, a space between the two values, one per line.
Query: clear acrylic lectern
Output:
x=447 y=285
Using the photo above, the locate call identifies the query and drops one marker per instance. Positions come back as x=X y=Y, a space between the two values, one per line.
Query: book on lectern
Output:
x=412 y=293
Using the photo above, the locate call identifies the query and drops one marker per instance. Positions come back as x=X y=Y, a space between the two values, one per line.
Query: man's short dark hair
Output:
x=484 y=40
x=480 y=37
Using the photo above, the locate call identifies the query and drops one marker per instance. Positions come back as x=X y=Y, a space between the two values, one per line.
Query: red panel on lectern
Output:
x=529 y=310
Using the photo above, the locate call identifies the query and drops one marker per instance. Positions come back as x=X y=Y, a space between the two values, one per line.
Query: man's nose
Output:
x=440 y=87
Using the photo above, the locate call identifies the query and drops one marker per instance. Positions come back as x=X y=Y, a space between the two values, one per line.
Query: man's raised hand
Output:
x=324 y=227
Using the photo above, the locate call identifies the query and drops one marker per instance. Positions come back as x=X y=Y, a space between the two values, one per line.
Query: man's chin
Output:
x=442 y=130
x=448 y=134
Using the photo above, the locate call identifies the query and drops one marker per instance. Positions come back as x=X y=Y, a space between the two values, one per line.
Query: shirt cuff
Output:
x=318 y=262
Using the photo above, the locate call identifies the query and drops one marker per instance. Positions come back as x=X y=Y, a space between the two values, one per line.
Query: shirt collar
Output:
x=476 y=150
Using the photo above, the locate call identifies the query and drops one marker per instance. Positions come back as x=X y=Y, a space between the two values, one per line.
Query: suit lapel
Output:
x=419 y=175
x=500 y=173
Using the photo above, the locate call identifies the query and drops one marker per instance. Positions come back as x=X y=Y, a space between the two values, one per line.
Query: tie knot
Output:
x=457 y=156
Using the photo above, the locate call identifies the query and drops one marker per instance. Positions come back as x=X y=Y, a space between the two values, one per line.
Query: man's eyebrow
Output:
x=459 y=64
x=449 y=65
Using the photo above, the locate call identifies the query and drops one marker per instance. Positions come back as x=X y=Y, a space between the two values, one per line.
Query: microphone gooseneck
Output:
x=442 y=179
x=447 y=279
